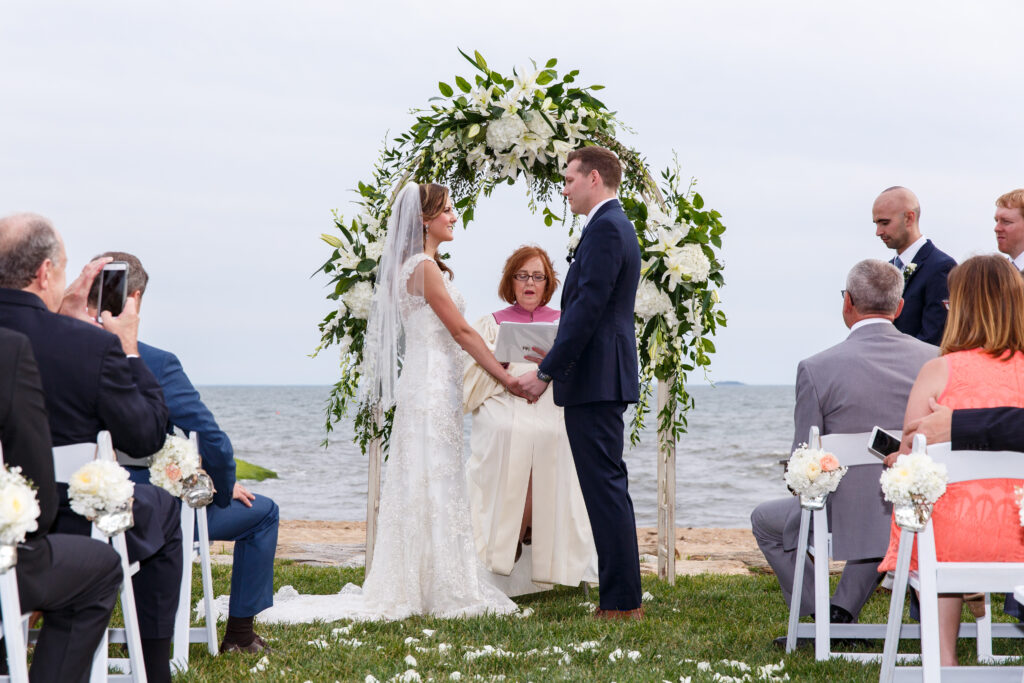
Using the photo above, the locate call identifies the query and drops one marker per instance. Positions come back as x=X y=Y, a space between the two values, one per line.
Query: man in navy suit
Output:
x=1010 y=226
x=250 y=520
x=896 y=215
x=72 y=580
x=593 y=366
x=94 y=381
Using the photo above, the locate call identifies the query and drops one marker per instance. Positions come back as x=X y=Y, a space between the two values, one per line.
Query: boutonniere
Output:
x=908 y=271
x=574 y=241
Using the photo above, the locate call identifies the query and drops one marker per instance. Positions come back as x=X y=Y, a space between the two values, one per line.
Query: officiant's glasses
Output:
x=537 y=277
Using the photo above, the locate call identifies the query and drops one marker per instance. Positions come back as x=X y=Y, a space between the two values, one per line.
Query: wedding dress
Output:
x=425 y=560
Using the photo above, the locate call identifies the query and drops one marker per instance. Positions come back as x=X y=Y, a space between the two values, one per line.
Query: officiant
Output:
x=523 y=486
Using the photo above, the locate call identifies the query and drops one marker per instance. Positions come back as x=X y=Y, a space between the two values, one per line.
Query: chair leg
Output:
x=822 y=617
x=984 y=626
x=13 y=637
x=899 y=594
x=207 y=576
x=131 y=617
x=798 y=581
x=183 y=617
x=931 y=662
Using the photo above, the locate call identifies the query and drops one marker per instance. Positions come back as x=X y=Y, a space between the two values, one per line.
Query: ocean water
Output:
x=726 y=464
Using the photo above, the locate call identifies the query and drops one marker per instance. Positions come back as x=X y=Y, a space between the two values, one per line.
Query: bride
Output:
x=424 y=561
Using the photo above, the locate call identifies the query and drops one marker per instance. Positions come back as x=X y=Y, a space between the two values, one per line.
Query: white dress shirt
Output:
x=910 y=252
x=869 y=321
x=597 y=206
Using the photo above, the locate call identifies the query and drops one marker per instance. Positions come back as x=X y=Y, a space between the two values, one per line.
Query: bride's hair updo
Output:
x=433 y=200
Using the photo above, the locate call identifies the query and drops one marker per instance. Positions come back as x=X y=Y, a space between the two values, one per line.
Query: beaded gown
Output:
x=425 y=560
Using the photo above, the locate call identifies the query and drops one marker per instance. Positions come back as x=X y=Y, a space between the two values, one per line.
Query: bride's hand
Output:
x=514 y=387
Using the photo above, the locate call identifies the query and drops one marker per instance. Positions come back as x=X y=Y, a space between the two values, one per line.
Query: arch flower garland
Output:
x=496 y=129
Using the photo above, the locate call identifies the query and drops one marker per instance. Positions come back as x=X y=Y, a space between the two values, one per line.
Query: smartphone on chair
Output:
x=882 y=443
x=113 y=290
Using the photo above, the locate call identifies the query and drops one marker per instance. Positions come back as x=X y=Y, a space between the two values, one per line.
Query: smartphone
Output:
x=113 y=289
x=882 y=443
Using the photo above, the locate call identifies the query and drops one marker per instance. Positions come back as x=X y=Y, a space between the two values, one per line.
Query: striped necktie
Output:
x=898 y=263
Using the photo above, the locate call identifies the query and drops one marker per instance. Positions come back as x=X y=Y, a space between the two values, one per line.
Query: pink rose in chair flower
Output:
x=829 y=463
x=173 y=472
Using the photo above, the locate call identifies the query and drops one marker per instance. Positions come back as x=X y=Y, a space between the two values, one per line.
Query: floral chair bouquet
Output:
x=101 y=492
x=813 y=473
x=176 y=469
x=19 y=512
x=912 y=485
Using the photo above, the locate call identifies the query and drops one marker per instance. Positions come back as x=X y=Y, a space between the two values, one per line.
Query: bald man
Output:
x=896 y=215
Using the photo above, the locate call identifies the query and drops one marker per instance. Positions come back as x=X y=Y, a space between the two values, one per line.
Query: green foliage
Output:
x=247 y=470
x=490 y=130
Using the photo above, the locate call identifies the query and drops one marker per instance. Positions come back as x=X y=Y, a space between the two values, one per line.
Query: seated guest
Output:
x=982 y=366
x=94 y=381
x=522 y=480
x=237 y=515
x=1010 y=226
x=72 y=580
x=860 y=383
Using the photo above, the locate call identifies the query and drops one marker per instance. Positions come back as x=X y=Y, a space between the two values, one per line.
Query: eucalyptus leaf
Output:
x=463 y=84
x=445 y=89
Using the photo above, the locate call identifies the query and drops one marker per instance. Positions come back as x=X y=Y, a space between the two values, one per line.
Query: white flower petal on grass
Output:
x=703 y=666
x=685 y=679
x=633 y=655
x=455 y=676
x=370 y=678
x=429 y=632
x=319 y=643
x=528 y=612
x=616 y=655
x=566 y=660
x=735 y=664
x=443 y=648
x=585 y=645
x=410 y=660
x=647 y=596
x=343 y=631
x=261 y=665
x=408 y=676
x=410 y=640
x=589 y=606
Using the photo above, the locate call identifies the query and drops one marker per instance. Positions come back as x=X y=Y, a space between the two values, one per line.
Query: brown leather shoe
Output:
x=256 y=646
x=620 y=614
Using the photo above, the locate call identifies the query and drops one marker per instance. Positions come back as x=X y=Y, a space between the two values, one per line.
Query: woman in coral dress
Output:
x=981 y=366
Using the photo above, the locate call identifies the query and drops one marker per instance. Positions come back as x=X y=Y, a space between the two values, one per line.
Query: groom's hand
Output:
x=531 y=385
x=937 y=426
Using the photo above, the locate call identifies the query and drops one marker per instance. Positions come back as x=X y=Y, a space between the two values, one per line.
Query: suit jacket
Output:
x=90 y=384
x=24 y=428
x=189 y=413
x=988 y=429
x=924 y=315
x=594 y=355
x=851 y=387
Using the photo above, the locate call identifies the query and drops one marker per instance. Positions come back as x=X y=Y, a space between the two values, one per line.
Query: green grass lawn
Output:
x=247 y=470
x=718 y=620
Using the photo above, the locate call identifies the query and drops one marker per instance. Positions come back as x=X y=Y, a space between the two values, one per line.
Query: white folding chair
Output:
x=16 y=634
x=66 y=461
x=933 y=578
x=852 y=452
x=184 y=634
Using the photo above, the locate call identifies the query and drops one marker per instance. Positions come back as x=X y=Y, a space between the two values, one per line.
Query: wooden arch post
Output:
x=666 y=492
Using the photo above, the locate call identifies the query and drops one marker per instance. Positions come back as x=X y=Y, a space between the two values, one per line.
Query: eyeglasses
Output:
x=844 y=292
x=536 y=277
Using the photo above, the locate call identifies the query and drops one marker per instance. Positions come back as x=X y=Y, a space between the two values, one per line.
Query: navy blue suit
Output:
x=90 y=386
x=593 y=363
x=253 y=529
x=924 y=315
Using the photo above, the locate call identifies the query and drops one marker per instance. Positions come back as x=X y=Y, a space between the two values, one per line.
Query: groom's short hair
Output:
x=601 y=160
x=875 y=287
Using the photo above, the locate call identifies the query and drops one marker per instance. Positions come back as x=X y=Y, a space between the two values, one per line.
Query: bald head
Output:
x=27 y=240
x=895 y=214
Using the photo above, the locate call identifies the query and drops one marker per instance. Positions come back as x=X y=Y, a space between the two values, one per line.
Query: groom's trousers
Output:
x=595 y=433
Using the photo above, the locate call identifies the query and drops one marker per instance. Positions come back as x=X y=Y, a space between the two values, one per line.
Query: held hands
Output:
x=76 y=295
x=936 y=427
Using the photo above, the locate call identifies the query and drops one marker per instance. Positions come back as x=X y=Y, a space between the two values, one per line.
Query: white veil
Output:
x=385 y=339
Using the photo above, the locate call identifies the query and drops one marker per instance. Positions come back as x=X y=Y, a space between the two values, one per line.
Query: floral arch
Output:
x=496 y=129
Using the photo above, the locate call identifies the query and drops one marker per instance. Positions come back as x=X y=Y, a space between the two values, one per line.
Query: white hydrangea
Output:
x=176 y=461
x=19 y=508
x=686 y=263
x=651 y=301
x=505 y=132
x=914 y=478
x=358 y=299
x=812 y=472
x=374 y=250
x=372 y=223
x=99 y=486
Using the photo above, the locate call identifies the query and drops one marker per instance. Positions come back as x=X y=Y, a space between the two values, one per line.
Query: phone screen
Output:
x=113 y=289
x=883 y=443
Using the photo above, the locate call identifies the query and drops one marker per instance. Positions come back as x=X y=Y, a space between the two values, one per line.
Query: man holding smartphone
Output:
x=862 y=382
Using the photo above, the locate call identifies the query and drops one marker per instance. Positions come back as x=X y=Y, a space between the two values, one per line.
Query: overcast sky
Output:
x=213 y=139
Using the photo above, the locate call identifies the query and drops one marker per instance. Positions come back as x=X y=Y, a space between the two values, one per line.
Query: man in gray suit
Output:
x=849 y=388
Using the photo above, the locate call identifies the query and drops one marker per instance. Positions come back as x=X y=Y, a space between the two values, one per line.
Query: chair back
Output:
x=970 y=465
x=67 y=459
x=852 y=449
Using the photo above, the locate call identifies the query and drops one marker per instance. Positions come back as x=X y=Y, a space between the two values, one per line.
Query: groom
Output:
x=593 y=365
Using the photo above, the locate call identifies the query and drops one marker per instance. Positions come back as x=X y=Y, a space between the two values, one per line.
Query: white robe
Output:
x=510 y=437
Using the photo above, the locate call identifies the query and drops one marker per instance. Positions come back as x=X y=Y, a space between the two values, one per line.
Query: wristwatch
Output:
x=542 y=377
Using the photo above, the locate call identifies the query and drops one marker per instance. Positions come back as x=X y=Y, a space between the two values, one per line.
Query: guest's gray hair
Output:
x=26 y=240
x=875 y=286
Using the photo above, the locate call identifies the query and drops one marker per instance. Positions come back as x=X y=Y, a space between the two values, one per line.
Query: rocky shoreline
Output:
x=698 y=551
